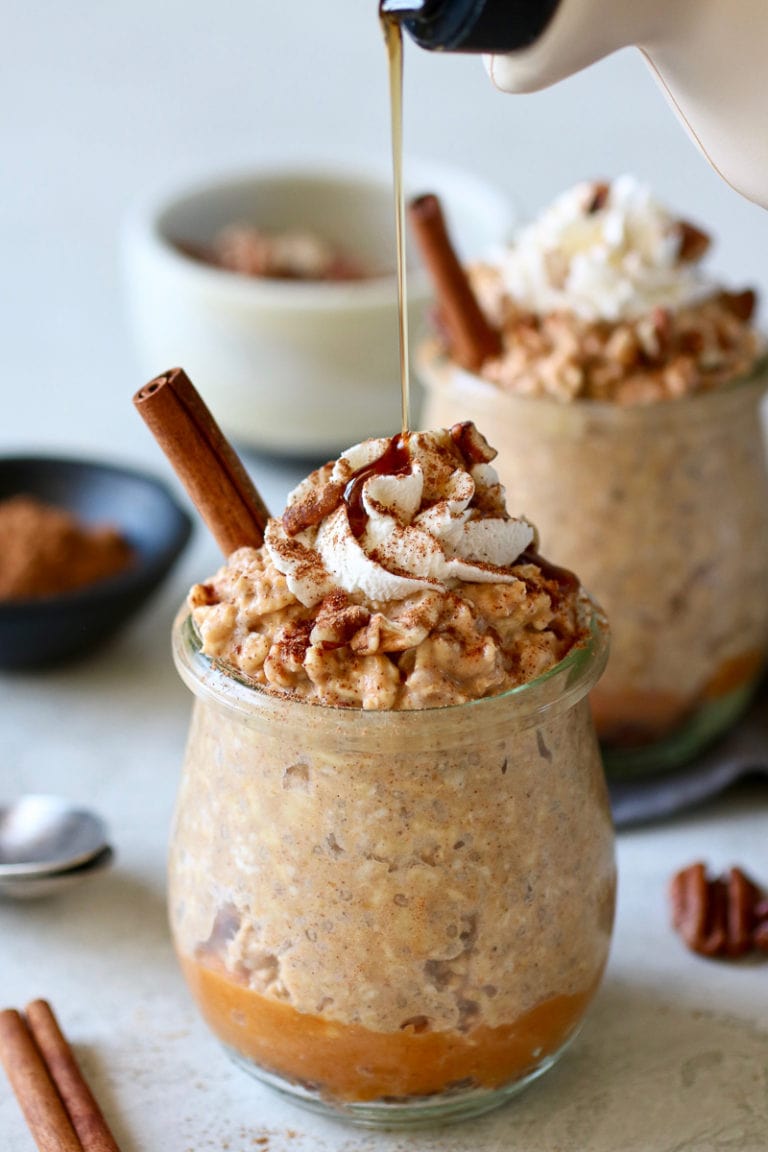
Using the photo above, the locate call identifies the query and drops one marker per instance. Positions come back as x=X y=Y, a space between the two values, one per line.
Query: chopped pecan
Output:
x=740 y=304
x=725 y=916
x=473 y=446
x=203 y=596
x=653 y=332
x=693 y=242
x=292 y=642
x=313 y=508
x=598 y=197
x=337 y=621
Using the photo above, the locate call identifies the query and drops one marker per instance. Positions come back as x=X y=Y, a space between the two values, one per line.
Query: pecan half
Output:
x=724 y=916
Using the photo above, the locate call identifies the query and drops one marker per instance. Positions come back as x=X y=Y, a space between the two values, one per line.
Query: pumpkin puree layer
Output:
x=353 y=1063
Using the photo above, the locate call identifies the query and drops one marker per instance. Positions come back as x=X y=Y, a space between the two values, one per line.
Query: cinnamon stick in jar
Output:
x=473 y=339
x=204 y=460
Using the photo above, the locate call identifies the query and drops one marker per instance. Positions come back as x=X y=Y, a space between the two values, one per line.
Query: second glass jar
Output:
x=663 y=512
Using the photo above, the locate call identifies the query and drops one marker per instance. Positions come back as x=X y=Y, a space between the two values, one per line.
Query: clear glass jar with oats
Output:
x=626 y=409
x=392 y=875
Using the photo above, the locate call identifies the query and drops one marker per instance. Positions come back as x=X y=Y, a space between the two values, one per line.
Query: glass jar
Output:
x=663 y=512
x=396 y=916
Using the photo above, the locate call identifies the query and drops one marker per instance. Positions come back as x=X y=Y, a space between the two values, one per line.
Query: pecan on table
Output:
x=725 y=916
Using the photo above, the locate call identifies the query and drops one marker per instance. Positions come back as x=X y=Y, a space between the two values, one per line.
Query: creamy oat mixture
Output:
x=396 y=579
x=458 y=876
x=604 y=297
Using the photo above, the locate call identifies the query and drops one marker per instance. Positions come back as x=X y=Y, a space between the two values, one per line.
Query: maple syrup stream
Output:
x=393 y=35
x=395 y=460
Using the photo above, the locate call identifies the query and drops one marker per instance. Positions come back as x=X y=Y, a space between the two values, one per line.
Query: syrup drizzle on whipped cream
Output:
x=399 y=516
x=394 y=461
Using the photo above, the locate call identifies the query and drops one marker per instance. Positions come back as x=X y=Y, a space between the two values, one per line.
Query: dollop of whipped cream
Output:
x=605 y=252
x=440 y=521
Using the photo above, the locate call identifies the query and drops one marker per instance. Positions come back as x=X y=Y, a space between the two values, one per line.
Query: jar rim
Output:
x=555 y=690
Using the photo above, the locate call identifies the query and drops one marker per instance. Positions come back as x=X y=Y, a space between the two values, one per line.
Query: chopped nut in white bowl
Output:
x=277 y=290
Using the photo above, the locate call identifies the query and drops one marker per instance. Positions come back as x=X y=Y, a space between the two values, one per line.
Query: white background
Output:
x=101 y=102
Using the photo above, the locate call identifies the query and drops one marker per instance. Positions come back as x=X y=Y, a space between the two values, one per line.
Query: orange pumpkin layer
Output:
x=642 y=716
x=352 y=1063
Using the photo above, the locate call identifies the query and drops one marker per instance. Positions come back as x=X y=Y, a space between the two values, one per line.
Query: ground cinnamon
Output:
x=204 y=460
x=472 y=338
x=45 y=550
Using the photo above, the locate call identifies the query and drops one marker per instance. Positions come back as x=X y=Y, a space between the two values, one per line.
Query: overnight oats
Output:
x=625 y=403
x=392 y=877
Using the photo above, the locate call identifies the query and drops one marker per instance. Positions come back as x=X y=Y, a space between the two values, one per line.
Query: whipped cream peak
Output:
x=606 y=252
x=394 y=517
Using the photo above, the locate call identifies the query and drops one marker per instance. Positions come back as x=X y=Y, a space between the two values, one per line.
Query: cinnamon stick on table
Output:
x=44 y=1112
x=204 y=460
x=84 y=1112
x=473 y=339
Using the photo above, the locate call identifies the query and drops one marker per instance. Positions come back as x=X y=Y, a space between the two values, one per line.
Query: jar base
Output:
x=711 y=720
x=415 y=1112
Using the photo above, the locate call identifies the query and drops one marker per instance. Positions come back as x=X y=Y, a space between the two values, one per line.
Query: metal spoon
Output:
x=44 y=835
x=32 y=887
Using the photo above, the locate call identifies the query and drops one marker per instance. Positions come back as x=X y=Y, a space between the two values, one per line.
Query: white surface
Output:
x=101 y=102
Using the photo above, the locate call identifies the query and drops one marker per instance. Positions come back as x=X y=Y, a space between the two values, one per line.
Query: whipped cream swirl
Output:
x=441 y=523
x=605 y=252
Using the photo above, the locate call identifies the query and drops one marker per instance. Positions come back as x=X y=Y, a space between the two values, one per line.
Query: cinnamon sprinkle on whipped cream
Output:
x=396 y=578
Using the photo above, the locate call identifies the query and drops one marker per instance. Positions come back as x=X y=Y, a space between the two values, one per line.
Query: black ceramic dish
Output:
x=42 y=632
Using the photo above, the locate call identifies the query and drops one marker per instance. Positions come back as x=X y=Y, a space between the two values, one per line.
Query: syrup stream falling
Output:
x=393 y=36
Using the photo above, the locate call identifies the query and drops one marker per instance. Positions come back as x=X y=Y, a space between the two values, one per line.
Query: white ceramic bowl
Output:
x=297 y=368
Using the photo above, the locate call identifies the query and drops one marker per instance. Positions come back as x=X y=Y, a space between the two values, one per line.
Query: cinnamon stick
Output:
x=204 y=460
x=84 y=1112
x=473 y=339
x=35 y=1091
